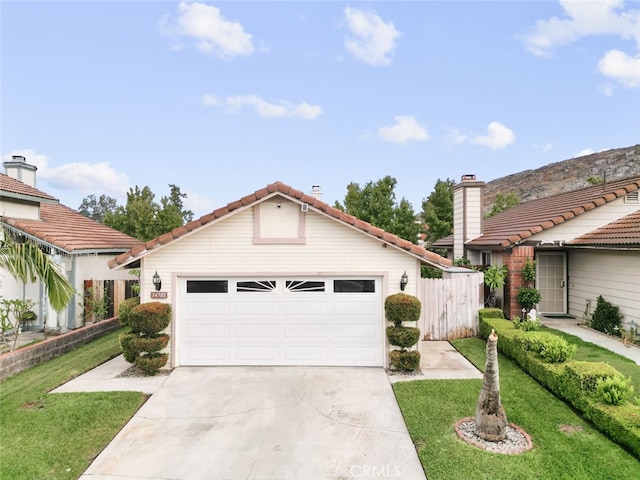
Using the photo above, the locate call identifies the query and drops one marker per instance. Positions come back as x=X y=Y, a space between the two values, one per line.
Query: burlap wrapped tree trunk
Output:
x=491 y=419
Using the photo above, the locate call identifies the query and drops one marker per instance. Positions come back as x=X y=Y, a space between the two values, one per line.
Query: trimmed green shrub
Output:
x=401 y=307
x=526 y=325
x=129 y=350
x=491 y=313
x=124 y=309
x=150 y=318
x=528 y=297
x=150 y=363
x=614 y=390
x=554 y=349
x=405 y=360
x=606 y=317
x=403 y=337
x=151 y=343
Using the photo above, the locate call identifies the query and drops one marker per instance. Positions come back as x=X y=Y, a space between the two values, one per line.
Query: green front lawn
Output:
x=56 y=436
x=564 y=445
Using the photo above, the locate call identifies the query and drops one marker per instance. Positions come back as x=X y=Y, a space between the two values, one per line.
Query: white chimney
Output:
x=316 y=192
x=467 y=212
x=19 y=169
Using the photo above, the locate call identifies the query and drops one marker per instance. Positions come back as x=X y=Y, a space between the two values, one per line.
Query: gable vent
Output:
x=632 y=197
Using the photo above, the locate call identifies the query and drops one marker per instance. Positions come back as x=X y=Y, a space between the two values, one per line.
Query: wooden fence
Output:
x=450 y=305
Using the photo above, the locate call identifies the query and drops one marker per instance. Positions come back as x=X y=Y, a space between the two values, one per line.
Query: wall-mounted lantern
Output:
x=157 y=282
x=404 y=279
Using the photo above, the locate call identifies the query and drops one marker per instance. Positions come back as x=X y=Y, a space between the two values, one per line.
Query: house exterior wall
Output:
x=19 y=210
x=612 y=274
x=228 y=248
x=514 y=262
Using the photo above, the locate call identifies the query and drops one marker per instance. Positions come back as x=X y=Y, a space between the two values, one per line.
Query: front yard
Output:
x=57 y=436
x=564 y=445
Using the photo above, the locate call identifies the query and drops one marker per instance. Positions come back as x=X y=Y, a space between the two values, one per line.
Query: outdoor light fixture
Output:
x=156 y=281
x=404 y=279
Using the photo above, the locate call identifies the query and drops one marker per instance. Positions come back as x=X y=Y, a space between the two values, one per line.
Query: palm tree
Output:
x=26 y=262
x=491 y=419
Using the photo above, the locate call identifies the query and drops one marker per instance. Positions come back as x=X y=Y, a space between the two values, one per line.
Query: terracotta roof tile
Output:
x=624 y=232
x=12 y=186
x=511 y=226
x=70 y=231
x=279 y=187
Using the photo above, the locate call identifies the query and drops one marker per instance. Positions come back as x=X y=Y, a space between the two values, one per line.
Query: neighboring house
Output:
x=278 y=278
x=79 y=245
x=586 y=243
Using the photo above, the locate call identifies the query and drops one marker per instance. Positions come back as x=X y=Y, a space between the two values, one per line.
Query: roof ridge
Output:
x=282 y=188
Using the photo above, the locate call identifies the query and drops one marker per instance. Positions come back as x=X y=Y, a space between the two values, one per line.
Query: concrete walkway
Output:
x=573 y=327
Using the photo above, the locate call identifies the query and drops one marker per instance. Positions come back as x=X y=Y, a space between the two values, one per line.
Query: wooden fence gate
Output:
x=450 y=305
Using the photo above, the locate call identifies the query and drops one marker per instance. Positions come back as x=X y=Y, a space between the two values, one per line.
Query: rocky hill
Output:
x=566 y=175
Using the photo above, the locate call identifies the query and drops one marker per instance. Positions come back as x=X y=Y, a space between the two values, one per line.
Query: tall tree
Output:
x=97 y=208
x=437 y=211
x=376 y=203
x=503 y=201
x=26 y=262
x=144 y=218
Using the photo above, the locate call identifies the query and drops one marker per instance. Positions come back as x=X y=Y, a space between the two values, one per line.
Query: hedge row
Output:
x=573 y=381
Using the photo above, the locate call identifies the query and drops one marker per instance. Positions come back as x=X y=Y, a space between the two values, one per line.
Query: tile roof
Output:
x=12 y=186
x=622 y=232
x=524 y=220
x=281 y=188
x=70 y=231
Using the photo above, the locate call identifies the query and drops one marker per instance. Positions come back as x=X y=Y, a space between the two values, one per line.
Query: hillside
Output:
x=566 y=175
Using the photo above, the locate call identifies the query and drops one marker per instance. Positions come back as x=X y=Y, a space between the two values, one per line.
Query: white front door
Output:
x=551 y=279
x=281 y=321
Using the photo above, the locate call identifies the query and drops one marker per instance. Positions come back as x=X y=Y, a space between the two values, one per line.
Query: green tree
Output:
x=97 y=208
x=26 y=262
x=376 y=203
x=503 y=202
x=144 y=218
x=437 y=211
x=594 y=180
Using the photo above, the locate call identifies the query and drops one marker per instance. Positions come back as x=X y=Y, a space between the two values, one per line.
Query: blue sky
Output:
x=223 y=98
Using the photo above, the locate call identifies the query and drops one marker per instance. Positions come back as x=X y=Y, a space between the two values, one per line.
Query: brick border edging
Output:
x=12 y=363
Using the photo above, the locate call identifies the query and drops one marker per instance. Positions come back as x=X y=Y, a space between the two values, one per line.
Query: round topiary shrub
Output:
x=150 y=363
x=401 y=307
x=403 y=337
x=124 y=309
x=151 y=343
x=129 y=350
x=150 y=318
x=405 y=360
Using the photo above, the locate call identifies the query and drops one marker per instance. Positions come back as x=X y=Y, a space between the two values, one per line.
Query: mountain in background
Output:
x=566 y=175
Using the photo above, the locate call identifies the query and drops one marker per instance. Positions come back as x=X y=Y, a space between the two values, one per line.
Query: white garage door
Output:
x=280 y=321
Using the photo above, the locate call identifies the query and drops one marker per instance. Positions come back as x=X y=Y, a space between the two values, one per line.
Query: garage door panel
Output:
x=281 y=325
x=256 y=330
x=306 y=330
x=207 y=330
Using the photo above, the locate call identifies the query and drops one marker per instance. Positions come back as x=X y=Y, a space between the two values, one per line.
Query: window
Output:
x=304 y=286
x=256 y=286
x=486 y=258
x=354 y=286
x=207 y=286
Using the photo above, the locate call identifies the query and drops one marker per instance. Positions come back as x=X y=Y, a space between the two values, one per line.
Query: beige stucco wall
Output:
x=614 y=275
x=227 y=248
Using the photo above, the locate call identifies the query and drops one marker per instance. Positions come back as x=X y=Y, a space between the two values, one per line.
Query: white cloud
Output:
x=80 y=177
x=405 y=129
x=264 y=109
x=621 y=67
x=589 y=18
x=212 y=33
x=455 y=136
x=498 y=136
x=372 y=40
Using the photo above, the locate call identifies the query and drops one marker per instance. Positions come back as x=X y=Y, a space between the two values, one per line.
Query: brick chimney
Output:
x=19 y=169
x=467 y=212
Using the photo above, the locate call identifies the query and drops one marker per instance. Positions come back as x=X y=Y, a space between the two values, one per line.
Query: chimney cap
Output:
x=469 y=177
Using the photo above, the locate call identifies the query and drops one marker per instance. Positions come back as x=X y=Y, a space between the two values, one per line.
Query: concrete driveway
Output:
x=267 y=423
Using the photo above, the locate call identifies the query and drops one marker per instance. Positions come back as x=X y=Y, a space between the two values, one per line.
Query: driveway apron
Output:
x=267 y=423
